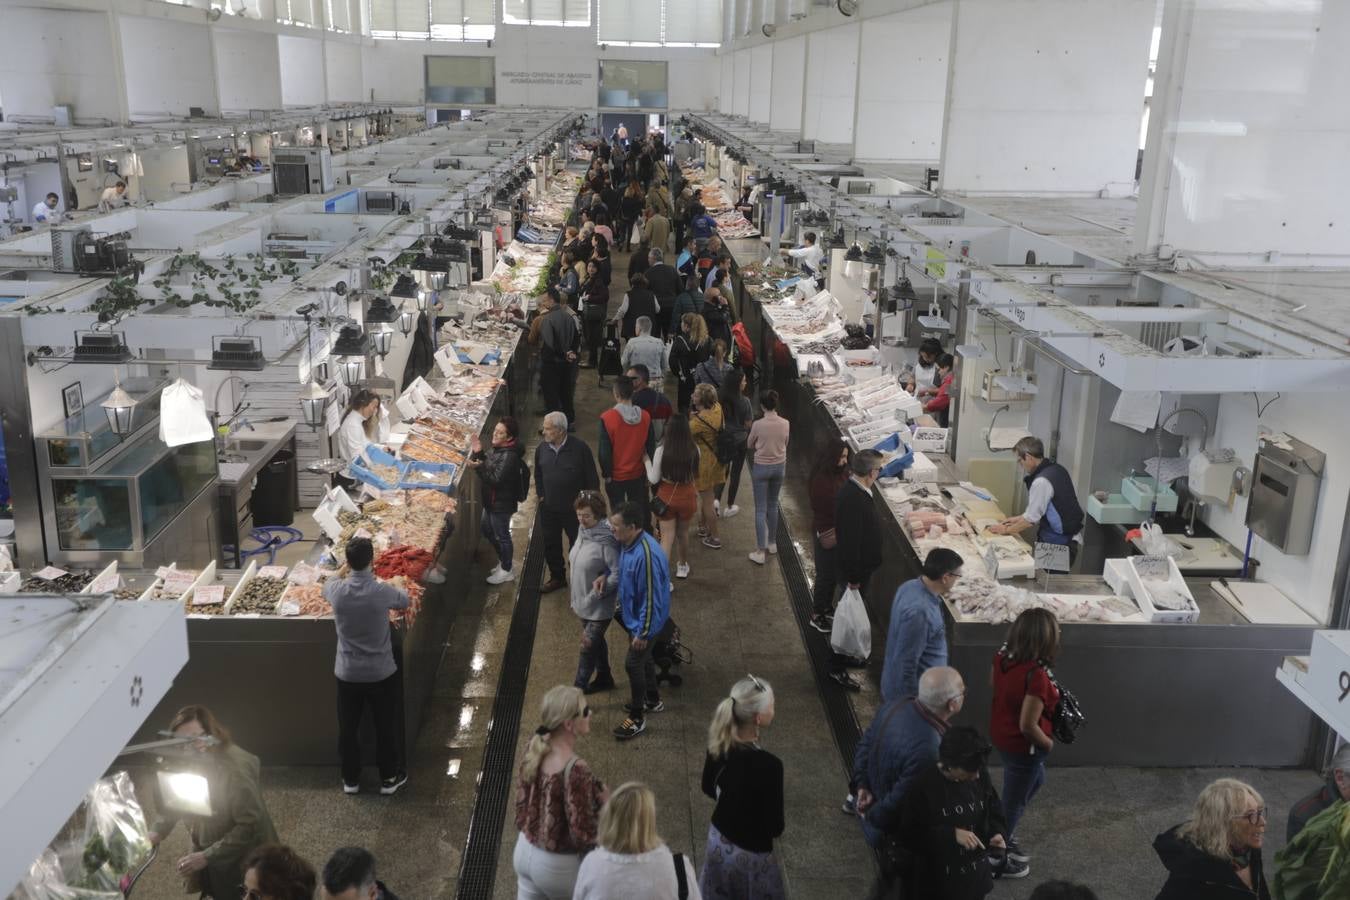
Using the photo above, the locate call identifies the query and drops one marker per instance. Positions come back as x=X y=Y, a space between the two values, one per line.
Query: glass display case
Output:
x=84 y=438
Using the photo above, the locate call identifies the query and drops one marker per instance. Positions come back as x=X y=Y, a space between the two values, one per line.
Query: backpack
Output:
x=745 y=350
x=724 y=445
x=524 y=475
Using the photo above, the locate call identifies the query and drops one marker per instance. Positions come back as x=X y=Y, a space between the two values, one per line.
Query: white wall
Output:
x=248 y=69
x=344 y=70
x=694 y=82
x=831 y=84
x=740 y=88
x=1254 y=153
x=789 y=81
x=168 y=66
x=56 y=57
x=165 y=167
x=302 y=81
x=393 y=69
x=727 y=83
x=1305 y=579
x=761 y=83
x=902 y=86
x=1046 y=95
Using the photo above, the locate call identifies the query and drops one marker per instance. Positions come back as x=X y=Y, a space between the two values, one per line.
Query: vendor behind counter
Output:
x=1052 y=504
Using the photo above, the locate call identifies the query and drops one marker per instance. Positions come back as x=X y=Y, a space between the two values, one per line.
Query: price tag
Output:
x=209 y=595
x=176 y=582
x=1051 y=557
x=163 y=572
x=288 y=608
x=50 y=573
x=328 y=522
x=272 y=572
x=371 y=491
x=991 y=560
x=106 y=583
x=362 y=533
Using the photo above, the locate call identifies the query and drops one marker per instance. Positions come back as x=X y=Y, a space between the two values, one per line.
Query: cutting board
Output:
x=1264 y=604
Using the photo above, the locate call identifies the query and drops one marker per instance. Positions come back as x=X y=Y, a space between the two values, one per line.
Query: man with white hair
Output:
x=646 y=350
x=901 y=742
x=563 y=468
x=1337 y=787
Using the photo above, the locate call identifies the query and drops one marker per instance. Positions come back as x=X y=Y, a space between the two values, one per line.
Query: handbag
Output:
x=829 y=538
x=1067 y=716
x=658 y=506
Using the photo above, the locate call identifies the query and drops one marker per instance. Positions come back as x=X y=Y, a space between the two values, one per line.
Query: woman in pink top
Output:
x=767 y=445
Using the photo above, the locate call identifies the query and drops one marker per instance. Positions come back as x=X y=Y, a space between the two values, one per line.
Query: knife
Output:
x=1232 y=593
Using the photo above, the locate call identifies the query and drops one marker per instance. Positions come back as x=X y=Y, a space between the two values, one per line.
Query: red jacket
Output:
x=942 y=399
x=622 y=446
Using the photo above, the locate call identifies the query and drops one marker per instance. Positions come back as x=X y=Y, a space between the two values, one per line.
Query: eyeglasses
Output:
x=759 y=685
x=247 y=893
x=1254 y=816
x=585 y=712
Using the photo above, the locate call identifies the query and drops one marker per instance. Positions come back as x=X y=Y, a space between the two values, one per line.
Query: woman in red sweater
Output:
x=940 y=405
x=1024 y=699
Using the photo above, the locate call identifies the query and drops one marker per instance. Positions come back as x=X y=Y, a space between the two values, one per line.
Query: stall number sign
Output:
x=1052 y=557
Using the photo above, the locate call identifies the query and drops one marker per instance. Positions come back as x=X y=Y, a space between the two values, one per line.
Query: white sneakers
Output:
x=729 y=511
x=682 y=570
x=773 y=548
x=501 y=576
x=757 y=557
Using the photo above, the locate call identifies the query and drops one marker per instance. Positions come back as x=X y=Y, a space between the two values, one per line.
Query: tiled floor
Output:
x=1092 y=825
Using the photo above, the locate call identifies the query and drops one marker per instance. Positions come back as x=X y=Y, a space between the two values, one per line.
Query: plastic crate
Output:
x=429 y=476
x=1144 y=569
x=377 y=457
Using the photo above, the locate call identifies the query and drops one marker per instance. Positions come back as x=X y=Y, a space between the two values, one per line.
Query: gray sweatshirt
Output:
x=595 y=553
x=361 y=605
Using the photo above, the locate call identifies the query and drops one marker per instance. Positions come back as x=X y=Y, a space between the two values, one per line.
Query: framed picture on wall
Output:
x=72 y=398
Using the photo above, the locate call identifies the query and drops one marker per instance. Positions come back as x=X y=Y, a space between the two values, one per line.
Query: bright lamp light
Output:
x=186 y=792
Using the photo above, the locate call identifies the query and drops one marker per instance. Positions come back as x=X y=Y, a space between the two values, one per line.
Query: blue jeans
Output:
x=496 y=527
x=767 y=481
x=595 y=658
x=1023 y=775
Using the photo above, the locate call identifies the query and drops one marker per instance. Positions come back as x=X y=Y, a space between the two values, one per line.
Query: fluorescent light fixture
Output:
x=186 y=792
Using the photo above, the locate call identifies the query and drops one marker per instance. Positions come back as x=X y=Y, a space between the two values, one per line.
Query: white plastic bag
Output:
x=182 y=415
x=852 y=631
x=1158 y=544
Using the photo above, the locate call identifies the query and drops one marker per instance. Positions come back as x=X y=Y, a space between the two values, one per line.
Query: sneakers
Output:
x=1016 y=852
x=712 y=542
x=655 y=706
x=599 y=684
x=845 y=681
x=703 y=531
x=730 y=511
x=436 y=575
x=849 y=806
x=682 y=570
x=773 y=549
x=630 y=728
x=501 y=576
x=390 y=786
x=350 y=788
x=757 y=557
x=822 y=623
x=1007 y=867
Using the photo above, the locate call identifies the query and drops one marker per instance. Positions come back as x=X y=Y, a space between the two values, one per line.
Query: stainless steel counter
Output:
x=254 y=448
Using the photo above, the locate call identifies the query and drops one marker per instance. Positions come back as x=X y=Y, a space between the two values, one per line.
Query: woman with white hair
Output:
x=558 y=800
x=631 y=860
x=1216 y=854
x=747 y=783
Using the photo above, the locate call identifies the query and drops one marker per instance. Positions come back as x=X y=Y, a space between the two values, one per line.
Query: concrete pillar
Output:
x=902 y=85
x=1249 y=131
x=1045 y=96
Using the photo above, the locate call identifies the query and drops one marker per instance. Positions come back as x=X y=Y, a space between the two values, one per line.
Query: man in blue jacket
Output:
x=901 y=742
x=644 y=609
x=917 y=638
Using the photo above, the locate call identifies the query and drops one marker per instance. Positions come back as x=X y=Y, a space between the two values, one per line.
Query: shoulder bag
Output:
x=724 y=444
x=681 y=877
x=1067 y=716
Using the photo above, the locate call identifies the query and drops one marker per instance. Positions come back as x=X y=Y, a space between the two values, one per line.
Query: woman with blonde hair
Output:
x=1217 y=852
x=558 y=800
x=705 y=422
x=632 y=861
x=688 y=349
x=747 y=784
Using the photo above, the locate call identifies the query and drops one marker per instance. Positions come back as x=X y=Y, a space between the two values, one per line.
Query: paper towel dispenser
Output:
x=1283 y=502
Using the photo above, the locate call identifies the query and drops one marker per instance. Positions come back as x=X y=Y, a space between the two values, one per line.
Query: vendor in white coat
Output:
x=366 y=422
x=46 y=212
x=809 y=254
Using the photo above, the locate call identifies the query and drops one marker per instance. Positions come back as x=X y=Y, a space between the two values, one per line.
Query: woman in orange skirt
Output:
x=674 y=471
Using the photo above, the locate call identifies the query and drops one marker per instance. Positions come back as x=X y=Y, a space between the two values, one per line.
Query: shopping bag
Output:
x=852 y=631
x=635 y=236
x=182 y=415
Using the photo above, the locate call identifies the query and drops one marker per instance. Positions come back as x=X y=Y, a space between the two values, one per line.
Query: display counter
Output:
x=1154 y=693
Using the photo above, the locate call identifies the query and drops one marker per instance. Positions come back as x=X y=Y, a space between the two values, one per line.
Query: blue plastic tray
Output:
x=412 y=481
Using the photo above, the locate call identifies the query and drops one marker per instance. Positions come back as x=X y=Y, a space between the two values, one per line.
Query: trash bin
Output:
x=271 y=502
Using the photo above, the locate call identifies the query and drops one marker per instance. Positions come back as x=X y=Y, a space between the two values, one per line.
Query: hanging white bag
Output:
x=852 y=631
x=182 y=415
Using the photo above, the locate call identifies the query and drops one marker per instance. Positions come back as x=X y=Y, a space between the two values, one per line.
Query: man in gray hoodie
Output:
x=594 y=555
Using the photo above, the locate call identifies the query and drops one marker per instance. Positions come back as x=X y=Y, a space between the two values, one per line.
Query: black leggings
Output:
x=734 y=475
x=595 y=336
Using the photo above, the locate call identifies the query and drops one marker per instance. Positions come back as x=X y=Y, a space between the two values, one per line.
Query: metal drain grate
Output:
x=496 y=782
